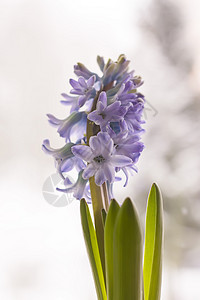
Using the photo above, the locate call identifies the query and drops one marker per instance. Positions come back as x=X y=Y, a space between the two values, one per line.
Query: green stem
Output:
x=97 y=191
x=97 y=205
x=105 y=195
x=96 y=195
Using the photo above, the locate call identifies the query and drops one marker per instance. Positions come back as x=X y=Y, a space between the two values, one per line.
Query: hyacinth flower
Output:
x=104 y=113
x=102 y=141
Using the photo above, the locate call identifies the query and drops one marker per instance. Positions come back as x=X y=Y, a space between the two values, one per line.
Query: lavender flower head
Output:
x=101 y=157
x=103 y=131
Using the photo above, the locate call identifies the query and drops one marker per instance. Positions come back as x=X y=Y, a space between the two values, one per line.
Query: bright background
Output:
x=42 y=252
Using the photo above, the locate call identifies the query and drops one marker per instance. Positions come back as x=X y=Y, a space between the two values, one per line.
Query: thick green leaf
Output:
x=127 y=249
x=93 y=250
x=152 y=270
x=104 y=215
x=108 y=243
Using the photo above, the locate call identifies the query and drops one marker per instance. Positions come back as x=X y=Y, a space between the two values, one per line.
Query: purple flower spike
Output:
x=115 y=119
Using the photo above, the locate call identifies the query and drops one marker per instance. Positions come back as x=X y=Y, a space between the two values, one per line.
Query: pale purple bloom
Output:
x=70 y=100
x=78 y=188
x=107 y=113
x=81 y=70
x=100 y=158
x=61 y=155
x=128 y=146
x=63 y=152
x=125 y=143
x=84 y=88
x=115 y=71
x=118 y=130
x=64 y=159
x=129 y=169
x=133 y=118
x=71 y=163
x=75 y=123
x=127 y=92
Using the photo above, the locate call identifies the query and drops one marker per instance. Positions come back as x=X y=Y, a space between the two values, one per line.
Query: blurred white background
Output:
x=42 y=252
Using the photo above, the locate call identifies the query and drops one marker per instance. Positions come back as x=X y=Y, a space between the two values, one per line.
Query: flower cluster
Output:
x=102 y=133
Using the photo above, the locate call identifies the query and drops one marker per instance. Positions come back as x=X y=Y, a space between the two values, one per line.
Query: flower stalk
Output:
x=99 y=194
x=97 y=205
x=105 y=196
x=96 y=196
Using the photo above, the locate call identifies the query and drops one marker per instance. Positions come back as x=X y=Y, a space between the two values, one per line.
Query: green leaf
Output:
x=93 y=250
x=104 y=215
x=108 y=243
x=127 y=249
x=152 y=270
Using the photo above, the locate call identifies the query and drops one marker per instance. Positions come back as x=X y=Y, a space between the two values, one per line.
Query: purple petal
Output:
x=132 y=139
x=134 y=148
x=46 y=143
x=66 y=102
x=109 y=172
x=76 y=92
x=120 y=160
x=114 y=106
x=103 y=137
x=81 y=70
x=74 y=84
x=46 y=147
x=106 y=143
x=95 y=143
x=117 y=179
x=122 y=111
x=89 y=171
x=100 y=107
x=68 y=98
x=100 y=177
x=103 y=99
x=95 y=117
x=67 y=165
x=82 y=82
x=107 y=149
x=80 y=165
x=82 y=151
x=126 y=175
x=53 y=120
x=82 y=100
x=67 y=181
x=135 y=157
x=91 y=81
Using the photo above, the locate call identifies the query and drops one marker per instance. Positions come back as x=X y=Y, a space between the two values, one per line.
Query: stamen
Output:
x=103 y=115
x=99 y=159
